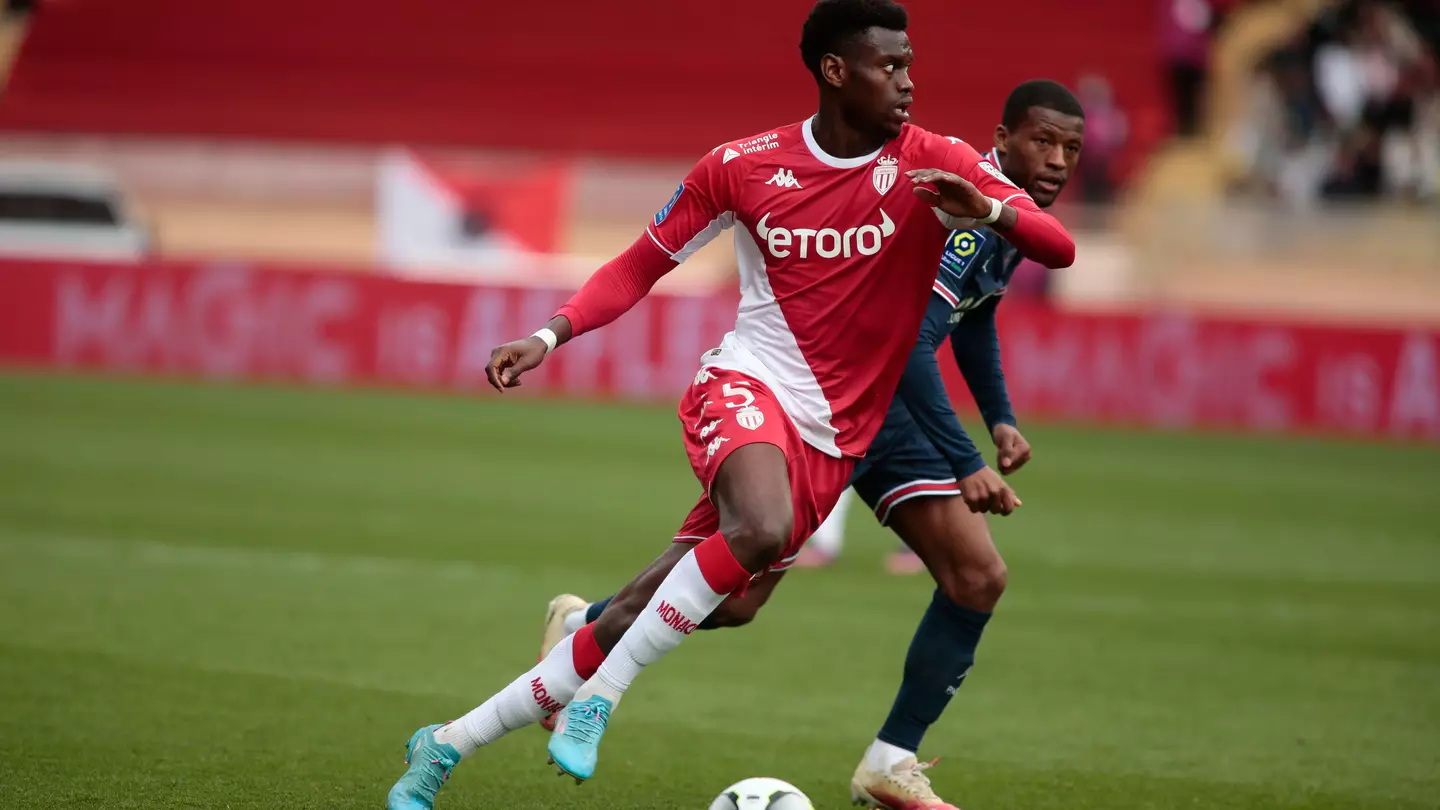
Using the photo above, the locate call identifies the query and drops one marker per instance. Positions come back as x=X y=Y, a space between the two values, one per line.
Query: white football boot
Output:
x=905 y=787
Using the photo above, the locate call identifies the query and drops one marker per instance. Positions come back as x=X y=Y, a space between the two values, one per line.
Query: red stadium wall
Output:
x=234 y=322
x=643 y=77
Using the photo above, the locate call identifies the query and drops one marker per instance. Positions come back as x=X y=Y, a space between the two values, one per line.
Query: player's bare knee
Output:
x=759 y=540
x=977 y=586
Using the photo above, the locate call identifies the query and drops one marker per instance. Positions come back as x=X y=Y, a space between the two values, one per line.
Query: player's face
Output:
x=877 y=90
x=1042 y=152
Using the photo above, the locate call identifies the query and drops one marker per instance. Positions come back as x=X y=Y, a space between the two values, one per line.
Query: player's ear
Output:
x=1002 y=139
x=833 y=70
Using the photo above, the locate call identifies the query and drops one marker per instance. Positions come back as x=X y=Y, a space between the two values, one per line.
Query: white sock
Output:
x=830 y=537
x=882 y=756
x=574 y=620
x=544 y=689
x=682 y=601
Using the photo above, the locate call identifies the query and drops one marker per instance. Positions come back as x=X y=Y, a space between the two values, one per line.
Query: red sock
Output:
x=722 y=572
x=587 y=654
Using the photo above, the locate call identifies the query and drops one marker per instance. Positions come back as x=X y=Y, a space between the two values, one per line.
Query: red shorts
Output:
x=724 y=410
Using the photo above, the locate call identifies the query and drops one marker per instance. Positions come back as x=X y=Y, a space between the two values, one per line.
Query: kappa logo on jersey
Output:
x=665 y=212
x=828 y=242
x=886 y=170
x=784 y=178
x=710 y=428
x=703 y=376
x=714 y=446
x=996 y=173
x=749 y=417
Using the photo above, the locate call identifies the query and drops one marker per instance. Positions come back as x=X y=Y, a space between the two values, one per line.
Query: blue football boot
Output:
x=574 y=746
x=430 y=765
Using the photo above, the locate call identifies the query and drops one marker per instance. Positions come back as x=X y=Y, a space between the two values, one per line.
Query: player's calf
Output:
x=735 y=611
x=627 y=604
x=956 y=546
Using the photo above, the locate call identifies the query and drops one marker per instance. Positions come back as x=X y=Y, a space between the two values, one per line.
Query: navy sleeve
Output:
x=923 y=391
x=976 y=344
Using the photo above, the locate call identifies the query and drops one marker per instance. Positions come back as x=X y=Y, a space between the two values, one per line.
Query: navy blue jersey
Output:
x=975 y=267
x=974 y=271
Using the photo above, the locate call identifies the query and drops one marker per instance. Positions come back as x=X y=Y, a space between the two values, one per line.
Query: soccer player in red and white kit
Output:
x=839 y=222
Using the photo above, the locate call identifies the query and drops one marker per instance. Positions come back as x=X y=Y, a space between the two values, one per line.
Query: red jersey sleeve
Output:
x=1036 y=234
x=701 y=207
x=699 y=210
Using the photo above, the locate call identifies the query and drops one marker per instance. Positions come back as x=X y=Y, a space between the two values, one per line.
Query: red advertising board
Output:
x=243 y=322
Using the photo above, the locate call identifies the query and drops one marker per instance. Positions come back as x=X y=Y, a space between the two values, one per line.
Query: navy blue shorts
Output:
x=901 y=464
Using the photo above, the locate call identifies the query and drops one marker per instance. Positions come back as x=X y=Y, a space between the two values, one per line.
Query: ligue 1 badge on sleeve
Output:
x=885 y=172
x=665 y=212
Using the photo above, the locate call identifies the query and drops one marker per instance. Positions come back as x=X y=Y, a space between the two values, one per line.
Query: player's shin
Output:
x=693 y=589
x=529 y=698
x=940 y=656
x=593 y=612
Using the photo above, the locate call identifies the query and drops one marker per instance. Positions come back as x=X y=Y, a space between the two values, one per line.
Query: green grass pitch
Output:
x=220 y=597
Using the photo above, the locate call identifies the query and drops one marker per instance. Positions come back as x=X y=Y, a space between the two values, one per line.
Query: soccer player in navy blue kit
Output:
x=923 y=476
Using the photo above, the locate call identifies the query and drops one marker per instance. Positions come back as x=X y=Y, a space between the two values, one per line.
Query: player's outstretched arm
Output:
x=697 y=212
x=617 y=286
x=1035 y=233
x=922 y=391
x=976 y=345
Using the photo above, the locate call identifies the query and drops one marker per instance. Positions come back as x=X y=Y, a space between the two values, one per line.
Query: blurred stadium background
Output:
x=245 y=243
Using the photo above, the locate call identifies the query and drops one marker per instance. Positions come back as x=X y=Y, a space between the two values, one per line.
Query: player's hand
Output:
x=508 y=362
x=1012 y=449
x=952 y=193
x=984 y=491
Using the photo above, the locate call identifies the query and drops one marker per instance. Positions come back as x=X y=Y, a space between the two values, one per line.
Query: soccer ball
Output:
x=762 y=793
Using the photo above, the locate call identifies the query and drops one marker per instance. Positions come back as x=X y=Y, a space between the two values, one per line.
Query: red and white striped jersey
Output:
x=837 y=258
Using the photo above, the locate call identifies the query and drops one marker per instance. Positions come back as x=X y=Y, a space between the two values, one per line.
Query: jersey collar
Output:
x=829 y=159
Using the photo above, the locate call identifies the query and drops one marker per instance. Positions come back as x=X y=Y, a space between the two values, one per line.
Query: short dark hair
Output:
x=832 y=24
x=1043 y=93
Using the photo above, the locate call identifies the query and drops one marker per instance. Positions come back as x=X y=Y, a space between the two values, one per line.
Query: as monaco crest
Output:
x=885 y=172
x=750 y=417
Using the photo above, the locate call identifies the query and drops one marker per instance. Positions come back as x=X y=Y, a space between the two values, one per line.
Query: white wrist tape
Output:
x=995 y=208
x=546 y=334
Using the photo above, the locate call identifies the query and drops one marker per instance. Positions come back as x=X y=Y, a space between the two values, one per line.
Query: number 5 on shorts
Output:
x=730 y=390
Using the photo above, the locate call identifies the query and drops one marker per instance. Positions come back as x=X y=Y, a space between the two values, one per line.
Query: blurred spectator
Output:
x=1106 y=129
x=1282 y=143
x=1185 y=31
x=1376 y=78
x=1350 y=110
